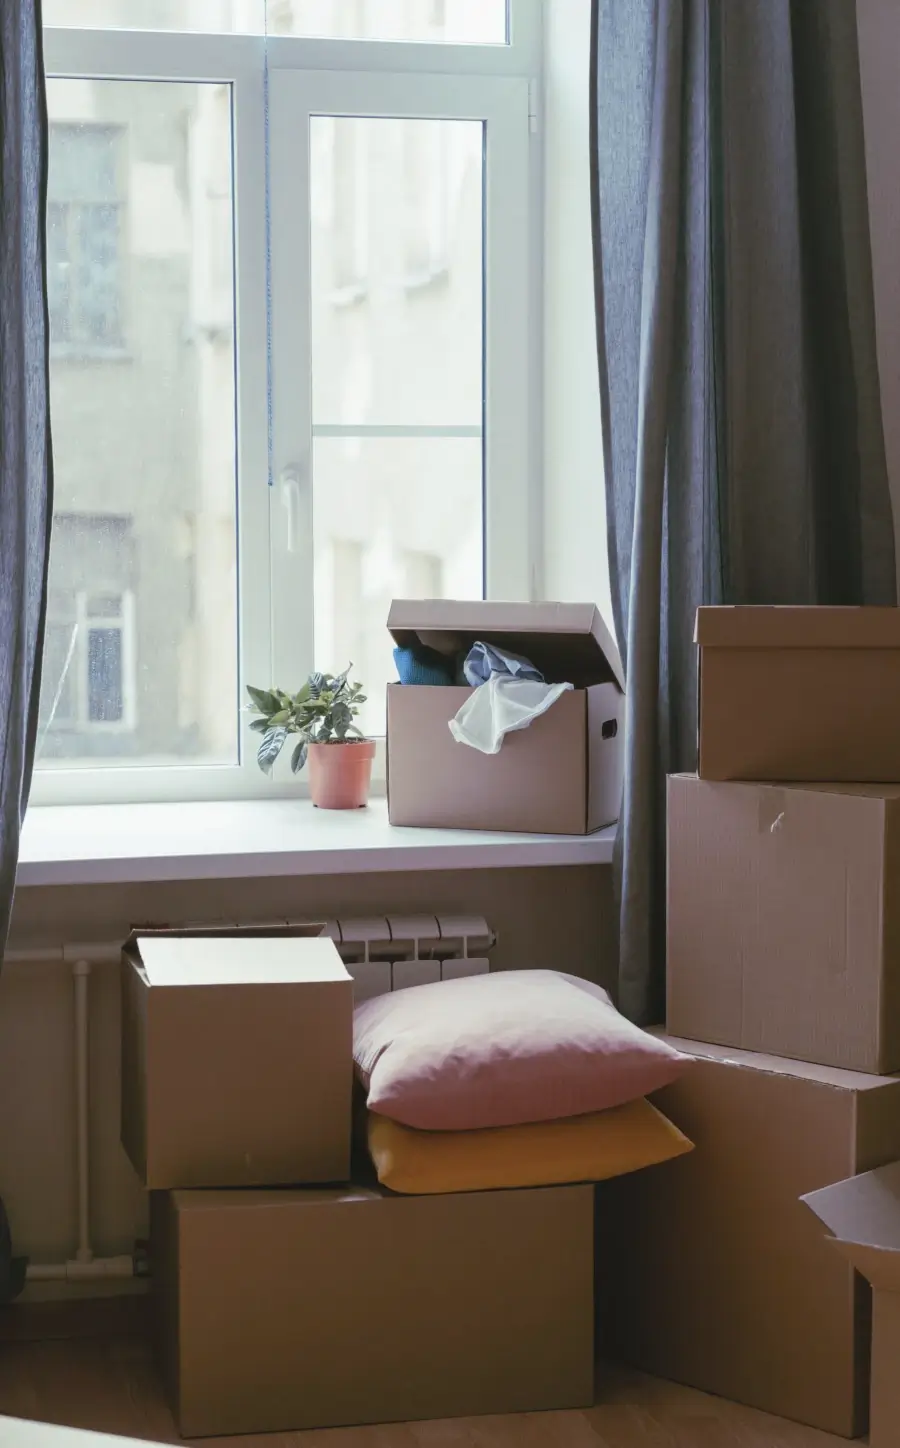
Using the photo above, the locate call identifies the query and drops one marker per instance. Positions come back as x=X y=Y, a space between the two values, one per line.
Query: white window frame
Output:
x=496 y=84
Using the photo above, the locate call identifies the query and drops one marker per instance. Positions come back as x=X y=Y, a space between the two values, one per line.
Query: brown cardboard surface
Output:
x=884 y=1406
x=799 y=694
x=787 y=627
x=721 y=1276
x=313 y=1309
x=783 y=929
x=236 y=1058
x=561 y=775
x=864 y=1215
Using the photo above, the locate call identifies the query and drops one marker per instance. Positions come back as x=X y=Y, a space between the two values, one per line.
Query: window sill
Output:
x=251 y=839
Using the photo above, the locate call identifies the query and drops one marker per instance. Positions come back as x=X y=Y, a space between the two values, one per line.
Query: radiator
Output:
x=391 y=952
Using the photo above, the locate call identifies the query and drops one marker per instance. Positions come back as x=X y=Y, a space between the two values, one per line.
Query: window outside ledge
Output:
x=246 y=839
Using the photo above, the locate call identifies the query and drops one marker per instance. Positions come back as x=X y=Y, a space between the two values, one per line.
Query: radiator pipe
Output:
x=81 y=973
x=85 y=1267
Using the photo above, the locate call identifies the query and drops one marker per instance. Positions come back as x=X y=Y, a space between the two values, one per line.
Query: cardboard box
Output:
x=799 y=693
x=720 y=1276
x=237 y=1064
x=279 y=1311
x=561 y=775
x=863 y=1214
x=784 y=919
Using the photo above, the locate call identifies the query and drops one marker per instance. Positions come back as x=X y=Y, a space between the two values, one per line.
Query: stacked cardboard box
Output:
x=286 y=1297
x=784 y=983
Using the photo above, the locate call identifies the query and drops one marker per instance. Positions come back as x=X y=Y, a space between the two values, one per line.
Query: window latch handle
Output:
x=290 y=482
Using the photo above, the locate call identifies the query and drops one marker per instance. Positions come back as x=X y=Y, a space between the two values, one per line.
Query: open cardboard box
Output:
x=863 y=1215
x=237 y=1063
x=561 y=775
x=799 y=693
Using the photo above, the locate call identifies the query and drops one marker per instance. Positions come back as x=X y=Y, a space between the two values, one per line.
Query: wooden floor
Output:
x=112 y=1388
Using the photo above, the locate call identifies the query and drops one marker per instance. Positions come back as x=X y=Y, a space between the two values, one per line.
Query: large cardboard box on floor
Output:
x=721 y=1278
x=237 y=1064
x=799 y=693
x=784 y=919
x=279 y=1311
x=560 y=775
x=863 y=1214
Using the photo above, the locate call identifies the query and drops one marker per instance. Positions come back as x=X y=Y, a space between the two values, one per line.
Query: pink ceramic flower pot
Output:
x=340 y=774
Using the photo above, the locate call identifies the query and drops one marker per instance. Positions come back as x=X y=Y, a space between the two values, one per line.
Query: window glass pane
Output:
x=140 y=665
x=397 y=270
x=459 y=22
x=393 y=518
x=211 y=16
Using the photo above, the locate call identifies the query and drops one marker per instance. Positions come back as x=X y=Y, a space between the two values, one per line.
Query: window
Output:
x=89 y=665
x=289 y=362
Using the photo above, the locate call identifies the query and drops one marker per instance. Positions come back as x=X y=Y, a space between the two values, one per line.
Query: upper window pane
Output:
x=452 y=22
x=140 y=660
x=397 y=241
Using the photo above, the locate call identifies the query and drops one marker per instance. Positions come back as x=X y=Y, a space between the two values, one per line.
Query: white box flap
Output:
x=175 y=960
x=863 y=1215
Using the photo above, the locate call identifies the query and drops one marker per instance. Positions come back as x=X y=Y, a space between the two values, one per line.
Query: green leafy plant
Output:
x=321 y=713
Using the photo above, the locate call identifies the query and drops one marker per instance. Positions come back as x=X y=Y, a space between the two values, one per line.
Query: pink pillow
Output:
x=503 y=1049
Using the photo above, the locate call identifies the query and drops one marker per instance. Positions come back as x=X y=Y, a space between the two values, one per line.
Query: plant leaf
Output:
x=270 y=748
x=265 y=702
x=298 y=758
x=282 y=717
x=303 y=695
x=259 y=726
x=316 y=684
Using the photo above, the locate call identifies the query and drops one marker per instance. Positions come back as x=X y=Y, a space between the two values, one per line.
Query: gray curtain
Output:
x=25 y=450
x=743 y=446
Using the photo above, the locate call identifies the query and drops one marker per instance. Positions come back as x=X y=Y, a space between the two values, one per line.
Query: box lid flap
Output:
x=863 y=1215
x=879 y=1265
x=568 y=642
x=798 y=628
x=178 y=960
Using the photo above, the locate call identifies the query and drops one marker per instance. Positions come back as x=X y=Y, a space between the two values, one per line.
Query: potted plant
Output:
x=322 y=715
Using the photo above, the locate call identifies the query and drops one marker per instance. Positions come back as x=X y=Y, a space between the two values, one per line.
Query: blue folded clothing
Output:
x=424 y=666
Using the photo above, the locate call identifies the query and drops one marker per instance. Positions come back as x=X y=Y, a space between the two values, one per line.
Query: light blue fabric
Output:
x=484 y=660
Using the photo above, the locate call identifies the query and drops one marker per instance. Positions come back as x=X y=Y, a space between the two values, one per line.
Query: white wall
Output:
x=575 y=565
x=879 y=47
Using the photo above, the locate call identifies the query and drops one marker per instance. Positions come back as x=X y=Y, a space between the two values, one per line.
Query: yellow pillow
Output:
x=578 y=1149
